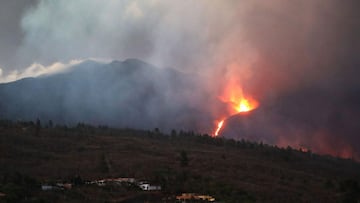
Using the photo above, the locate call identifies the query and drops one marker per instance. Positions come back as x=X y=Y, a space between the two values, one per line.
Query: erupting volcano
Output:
x=237 y=103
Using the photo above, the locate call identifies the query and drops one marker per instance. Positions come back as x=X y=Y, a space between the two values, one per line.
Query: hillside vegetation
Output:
x=231 y=171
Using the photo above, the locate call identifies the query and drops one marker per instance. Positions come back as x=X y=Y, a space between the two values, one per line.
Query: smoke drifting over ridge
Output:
x=298 y=59
x=286 y=44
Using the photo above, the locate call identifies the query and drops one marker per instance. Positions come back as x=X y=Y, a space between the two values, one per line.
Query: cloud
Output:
x=36 y=70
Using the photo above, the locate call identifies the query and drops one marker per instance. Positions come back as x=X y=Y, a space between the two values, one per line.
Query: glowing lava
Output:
x=219 y=126
x=245 y=105
x=238 y=103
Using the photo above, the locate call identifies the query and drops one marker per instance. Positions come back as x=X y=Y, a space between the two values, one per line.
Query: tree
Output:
x=103 y=164
x=37 y=127
x=157 y=131
x=51 y=124
x=173 y=133
x=184 y=160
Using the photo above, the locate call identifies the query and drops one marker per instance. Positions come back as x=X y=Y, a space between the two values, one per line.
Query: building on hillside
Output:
x=106 y=181
x=148 y=187
x=192 y=196
x=185 y=196
x=98 y=182
x=205 y=198
x=66 y=186
x=124 y=180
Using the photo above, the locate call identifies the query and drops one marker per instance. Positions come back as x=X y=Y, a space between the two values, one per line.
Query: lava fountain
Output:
x=237 y=102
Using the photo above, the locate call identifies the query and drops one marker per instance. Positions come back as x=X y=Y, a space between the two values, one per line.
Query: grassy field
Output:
x=229 y=170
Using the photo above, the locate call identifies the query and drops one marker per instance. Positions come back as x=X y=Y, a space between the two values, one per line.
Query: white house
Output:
x=148 y=187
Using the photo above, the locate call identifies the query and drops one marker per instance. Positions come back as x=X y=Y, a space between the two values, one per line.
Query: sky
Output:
x=290 y=38
x=273 y=49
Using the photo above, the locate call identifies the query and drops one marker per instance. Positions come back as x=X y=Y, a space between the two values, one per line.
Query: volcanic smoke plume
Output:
x=294 y=64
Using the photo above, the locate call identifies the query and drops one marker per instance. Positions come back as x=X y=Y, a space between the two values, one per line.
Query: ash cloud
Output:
x=305 y=74
x=155 y=31
x=299 y=59
x=11 y=35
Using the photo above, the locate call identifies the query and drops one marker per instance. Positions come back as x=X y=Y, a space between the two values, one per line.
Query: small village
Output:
x=141 y=185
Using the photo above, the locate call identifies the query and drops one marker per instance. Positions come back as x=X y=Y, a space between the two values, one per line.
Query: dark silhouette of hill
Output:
x=131 y=93
x=231 y=171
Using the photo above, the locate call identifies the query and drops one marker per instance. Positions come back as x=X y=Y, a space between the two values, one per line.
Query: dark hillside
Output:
x=232 y=171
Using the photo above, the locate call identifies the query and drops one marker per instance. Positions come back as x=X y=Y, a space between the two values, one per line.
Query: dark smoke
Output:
x=298 y=59
x=306 y=75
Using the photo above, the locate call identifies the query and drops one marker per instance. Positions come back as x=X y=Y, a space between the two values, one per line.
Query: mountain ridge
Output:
x=129 y=93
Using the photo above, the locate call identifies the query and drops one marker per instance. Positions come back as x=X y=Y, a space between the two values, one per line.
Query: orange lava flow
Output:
x=233 y=95
x=219 y=126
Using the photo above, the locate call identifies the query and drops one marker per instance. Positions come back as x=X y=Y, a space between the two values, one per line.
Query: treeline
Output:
x=286 y=153
x=47 y=124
